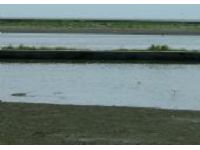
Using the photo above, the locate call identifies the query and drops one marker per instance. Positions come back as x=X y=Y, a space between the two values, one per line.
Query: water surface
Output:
x=143 y=85
x=99 y=41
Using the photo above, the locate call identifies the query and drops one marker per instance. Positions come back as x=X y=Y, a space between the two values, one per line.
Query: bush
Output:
x=9 y=47
x=158 y=48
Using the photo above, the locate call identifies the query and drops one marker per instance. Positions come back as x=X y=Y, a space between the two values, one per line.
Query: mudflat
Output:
x=23 y=123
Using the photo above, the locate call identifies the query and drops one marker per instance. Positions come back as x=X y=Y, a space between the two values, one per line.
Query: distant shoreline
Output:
x=101 y=31
x=148 y=27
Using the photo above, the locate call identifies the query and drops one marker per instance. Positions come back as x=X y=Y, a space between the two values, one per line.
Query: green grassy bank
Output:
x=100 y=26
x=64 y=124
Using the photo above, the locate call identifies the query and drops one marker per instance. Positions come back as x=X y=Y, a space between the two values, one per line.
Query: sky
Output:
x=114 y=11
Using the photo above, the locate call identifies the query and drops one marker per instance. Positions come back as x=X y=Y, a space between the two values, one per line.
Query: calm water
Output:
x=99 y=41
x=146 y=85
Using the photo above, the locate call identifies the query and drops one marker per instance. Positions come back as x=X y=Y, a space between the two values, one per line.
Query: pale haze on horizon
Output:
x=131 y=11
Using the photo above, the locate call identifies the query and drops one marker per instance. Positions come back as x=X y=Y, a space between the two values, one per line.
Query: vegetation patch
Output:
x=32 y=48
x=159 y=48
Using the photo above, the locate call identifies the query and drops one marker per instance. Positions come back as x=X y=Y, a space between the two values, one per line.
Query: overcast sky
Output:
x=102 y=11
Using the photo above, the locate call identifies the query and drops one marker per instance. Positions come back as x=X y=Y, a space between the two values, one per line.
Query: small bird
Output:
x=174 y=92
